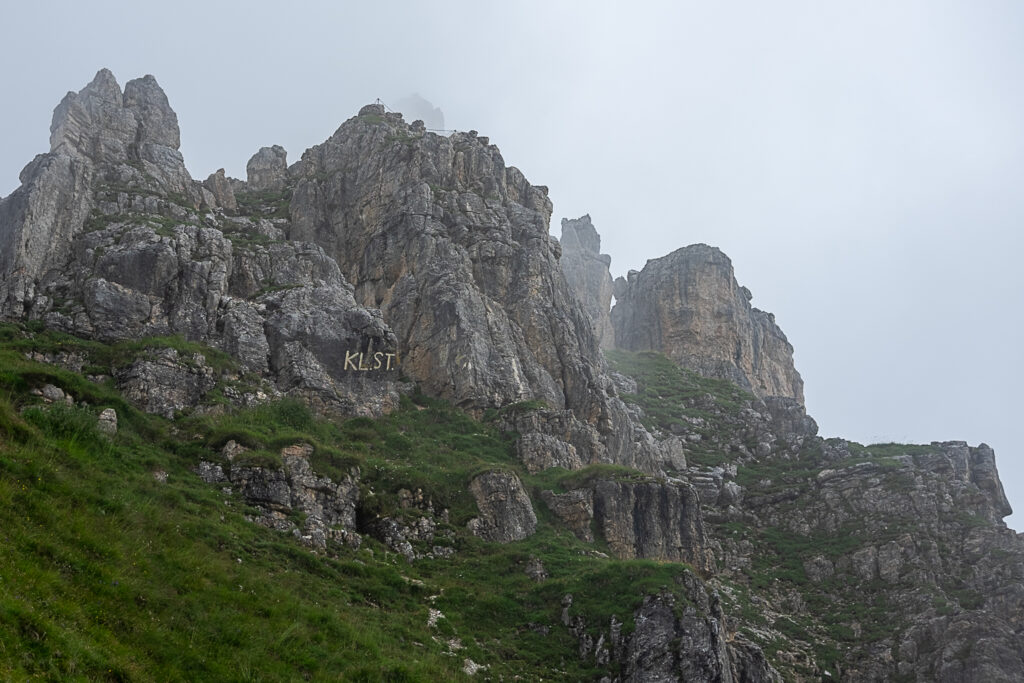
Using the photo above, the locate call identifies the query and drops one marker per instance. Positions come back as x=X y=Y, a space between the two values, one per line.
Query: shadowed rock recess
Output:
x=671 y=427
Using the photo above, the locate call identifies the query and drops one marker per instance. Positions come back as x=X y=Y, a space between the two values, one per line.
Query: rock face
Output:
x=164 y=383
x=652 y=520
x=329 y=507
x=575 y=509
x=97 y=134
x=506 y=513
x=914 y=532
x=641 y=519
x=679 y=635
x=689 y=306
x=220 y=187
x=586 y=270
x=452 y=245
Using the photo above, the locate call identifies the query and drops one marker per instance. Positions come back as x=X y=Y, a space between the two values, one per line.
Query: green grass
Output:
x=264 y=203
x=666 y=390
x=671 y=398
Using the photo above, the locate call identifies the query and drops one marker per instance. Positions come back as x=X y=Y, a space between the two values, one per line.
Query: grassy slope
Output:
x=107 y=574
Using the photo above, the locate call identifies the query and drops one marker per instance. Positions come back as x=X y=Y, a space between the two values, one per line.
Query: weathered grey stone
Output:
x=506 y=513
x=211 y=472
x=329 y=507
x=688 y=306
x=37 y=222
x=221 y=189
x=575 y=509
x=587 y=272
x=232 y=449
x=454 y=249
x=399 y=535
x=267 y=169
x=652 y=520
x=541 y=451
x=818 y=568
x=283 y=309
x=52 y=393
x=164 y=383
x=107 y=423
x=535 y=570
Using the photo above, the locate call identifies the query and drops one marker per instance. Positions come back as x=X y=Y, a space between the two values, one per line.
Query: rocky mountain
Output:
x=396 y=274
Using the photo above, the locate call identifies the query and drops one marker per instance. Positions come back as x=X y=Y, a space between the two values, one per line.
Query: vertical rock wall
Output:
x=689 y=306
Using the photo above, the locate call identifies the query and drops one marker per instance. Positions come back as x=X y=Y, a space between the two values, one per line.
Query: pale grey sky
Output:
x=861 y=162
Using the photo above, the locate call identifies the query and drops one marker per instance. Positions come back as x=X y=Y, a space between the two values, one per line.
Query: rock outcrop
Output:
x=327 y=508
x=637 y=519
x=99 y=134
x=652 y=520
x=586 y=270
x=680 y=634
x=453 y=246
x=689 y=306
x=220 y=187
x=106 y=239
x=913 y=534
x=506 y=513
x=164 y=383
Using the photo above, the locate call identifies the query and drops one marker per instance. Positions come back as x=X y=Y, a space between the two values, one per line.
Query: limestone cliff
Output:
x=586 y=270
x=689 y=306
x=453 y=246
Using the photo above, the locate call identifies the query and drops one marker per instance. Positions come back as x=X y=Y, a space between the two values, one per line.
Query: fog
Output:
x=861 y=163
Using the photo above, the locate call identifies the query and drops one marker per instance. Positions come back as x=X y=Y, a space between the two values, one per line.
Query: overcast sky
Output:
x=861 y=162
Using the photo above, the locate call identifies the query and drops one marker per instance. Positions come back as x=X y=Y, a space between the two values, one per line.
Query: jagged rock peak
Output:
x=581 y=235
x=104 y=125
x=220 y=187
x=587 y=272
x=158 y=123
x=109 y=238
x=689 y=306
x=99 y=136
